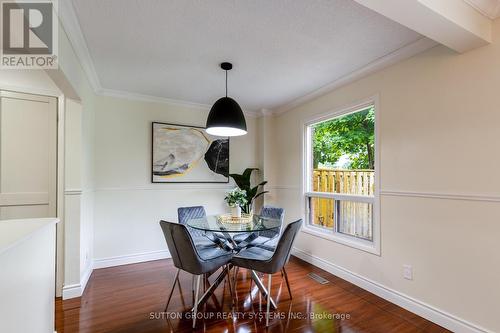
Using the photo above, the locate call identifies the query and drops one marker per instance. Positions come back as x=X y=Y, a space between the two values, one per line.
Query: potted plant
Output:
x=236 y=199
x=251 y=193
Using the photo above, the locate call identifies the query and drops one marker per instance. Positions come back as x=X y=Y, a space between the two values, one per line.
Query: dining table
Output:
x=225 y=229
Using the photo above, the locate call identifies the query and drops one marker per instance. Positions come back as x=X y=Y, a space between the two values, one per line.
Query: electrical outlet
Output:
x=408 y=272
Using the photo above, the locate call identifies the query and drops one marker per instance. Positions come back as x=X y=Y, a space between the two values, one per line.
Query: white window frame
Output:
x=307 y=158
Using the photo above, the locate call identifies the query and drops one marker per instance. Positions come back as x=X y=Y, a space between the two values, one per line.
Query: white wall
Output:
x=27 y=279
x=128 y=206
x=29 y=81
x=440 y=203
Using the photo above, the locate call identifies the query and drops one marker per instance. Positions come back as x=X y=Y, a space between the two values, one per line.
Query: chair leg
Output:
x=192 y=287
x=236 y=269
x=196 y=293
x=228 y=277
x=283 y=272
x=172 y=290
x=268 y=299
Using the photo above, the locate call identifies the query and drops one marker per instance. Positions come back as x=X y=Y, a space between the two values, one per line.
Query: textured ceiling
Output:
x=281 y=49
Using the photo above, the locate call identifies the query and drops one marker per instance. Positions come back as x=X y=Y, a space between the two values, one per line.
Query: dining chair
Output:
x=268 y=262
x=200 y=237
x=264 y=236
x=266 y=239
x=193 y=259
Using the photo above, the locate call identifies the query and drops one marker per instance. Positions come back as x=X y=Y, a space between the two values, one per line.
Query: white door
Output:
x=28 y=155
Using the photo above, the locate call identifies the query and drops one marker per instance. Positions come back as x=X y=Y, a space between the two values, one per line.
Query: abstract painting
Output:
x=187 y=154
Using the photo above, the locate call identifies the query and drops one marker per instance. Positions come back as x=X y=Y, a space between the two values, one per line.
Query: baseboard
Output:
x=130 y=259
x=86 y=277
x=422 y=309
x=76 y=290
x=72 y=291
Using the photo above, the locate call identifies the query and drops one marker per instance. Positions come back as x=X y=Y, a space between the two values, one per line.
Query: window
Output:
x=340 y=185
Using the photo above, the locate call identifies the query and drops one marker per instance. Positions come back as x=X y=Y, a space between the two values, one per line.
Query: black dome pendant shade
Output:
x=226 y=117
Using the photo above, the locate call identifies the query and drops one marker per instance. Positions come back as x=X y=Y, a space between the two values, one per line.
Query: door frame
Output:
x=59 y=173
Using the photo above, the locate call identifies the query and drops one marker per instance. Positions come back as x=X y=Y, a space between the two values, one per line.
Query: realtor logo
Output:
x=29 y=35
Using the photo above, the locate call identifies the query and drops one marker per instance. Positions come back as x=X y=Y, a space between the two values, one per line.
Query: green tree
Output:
x=352 y=135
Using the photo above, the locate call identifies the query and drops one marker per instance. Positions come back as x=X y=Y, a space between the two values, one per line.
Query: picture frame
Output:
x=187 y=154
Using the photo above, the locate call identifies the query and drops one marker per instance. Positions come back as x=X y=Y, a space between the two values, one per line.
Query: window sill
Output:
x=342 y=239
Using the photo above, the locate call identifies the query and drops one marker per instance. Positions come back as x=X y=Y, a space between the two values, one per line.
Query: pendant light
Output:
x=226 y=117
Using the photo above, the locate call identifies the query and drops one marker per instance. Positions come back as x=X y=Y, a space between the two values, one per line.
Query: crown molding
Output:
x=265 y=112
x=149 y=98
x=71 y=26
x=392 y=58
x=489 y=8
x=162 y=100
x=70 y=23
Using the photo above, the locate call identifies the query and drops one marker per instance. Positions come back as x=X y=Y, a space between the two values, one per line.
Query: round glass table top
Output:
x=214 y=223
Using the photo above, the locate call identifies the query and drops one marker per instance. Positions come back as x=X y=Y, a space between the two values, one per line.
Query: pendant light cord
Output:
x=226 y=83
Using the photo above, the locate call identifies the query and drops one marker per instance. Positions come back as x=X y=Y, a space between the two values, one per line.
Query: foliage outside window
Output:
x=341 y=177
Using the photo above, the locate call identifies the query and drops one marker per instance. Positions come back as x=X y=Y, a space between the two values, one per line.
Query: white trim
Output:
x=415 y=194
x=61 y=121
x=162 y=100
x=374 y=246
x=148 y=98
x=392 y=58
x=77 y=290
x=31 y=90
x=488 y=8
x=71 y=26
x=411 y=304
x=73 y=191
x=328 y=234
x=341 y=196
x=72 y=291
x=130 y=259
x=86 y=276
x=169 y=187
x=445 y=196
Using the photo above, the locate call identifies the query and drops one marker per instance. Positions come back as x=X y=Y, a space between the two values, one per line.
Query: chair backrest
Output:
x=274 y=213
x=186 y=213
x=284 y=247
x=181 y=247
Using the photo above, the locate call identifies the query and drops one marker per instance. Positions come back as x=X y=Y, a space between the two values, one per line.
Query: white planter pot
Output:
x=236 y=211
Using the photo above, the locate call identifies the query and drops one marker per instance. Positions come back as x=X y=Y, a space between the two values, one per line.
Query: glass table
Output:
x=212 y=223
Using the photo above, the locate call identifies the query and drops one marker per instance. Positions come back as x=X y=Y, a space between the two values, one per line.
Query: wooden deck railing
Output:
x=357 y=182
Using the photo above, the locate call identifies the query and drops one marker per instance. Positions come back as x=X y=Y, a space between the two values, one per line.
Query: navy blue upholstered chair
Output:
x=269 y=262
x=197 y=260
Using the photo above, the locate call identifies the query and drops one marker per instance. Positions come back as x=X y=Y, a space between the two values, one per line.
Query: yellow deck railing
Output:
x=357 y=182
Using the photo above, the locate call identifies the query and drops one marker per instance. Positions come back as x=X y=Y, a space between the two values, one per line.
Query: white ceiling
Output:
x=281 y=49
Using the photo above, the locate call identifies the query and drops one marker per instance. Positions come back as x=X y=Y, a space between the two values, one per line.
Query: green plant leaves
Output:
x=244 y=183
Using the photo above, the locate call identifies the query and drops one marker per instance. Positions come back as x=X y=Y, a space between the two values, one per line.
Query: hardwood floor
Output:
x=131 y=298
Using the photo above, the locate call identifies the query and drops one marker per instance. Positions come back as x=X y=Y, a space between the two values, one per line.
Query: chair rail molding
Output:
x=73 y=191
x=445 y=196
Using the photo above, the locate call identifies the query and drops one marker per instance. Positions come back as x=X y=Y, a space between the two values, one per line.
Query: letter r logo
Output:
x=27 y=27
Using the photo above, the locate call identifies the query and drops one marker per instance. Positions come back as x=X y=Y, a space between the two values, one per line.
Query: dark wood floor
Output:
x=131 y=298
